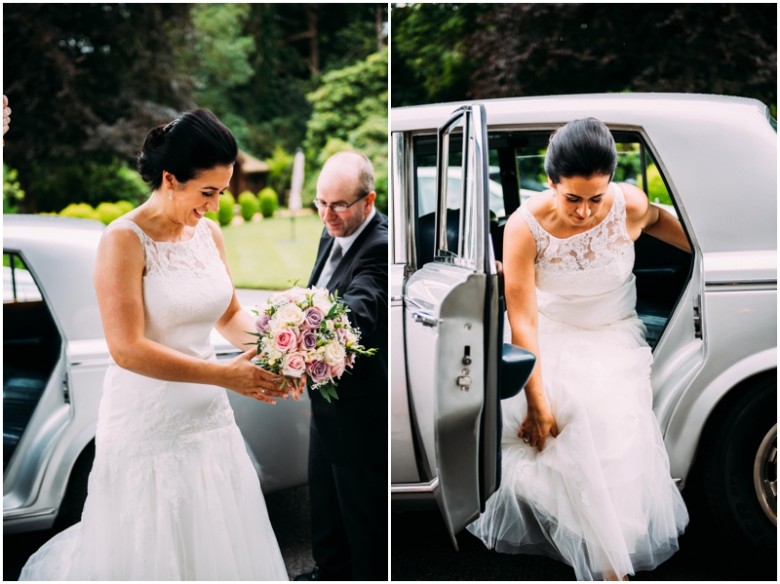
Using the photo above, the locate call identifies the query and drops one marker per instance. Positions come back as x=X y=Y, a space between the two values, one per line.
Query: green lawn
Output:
x=265 y=255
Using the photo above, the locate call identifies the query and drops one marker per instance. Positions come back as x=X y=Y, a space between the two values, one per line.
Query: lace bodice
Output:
x=173 y=494
x=586 y=279
x=186 y=290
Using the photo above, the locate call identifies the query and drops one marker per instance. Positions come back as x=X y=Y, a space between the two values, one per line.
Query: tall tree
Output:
x=430 y=52
x=85 y=83
x=532 y=49
x=350 y=112
x=535 y=49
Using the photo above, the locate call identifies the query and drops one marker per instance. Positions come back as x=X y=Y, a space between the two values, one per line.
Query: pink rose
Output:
x=318 y=371
x=285 y=341
x=312 y=317
x=337 y=370
x=293 y=365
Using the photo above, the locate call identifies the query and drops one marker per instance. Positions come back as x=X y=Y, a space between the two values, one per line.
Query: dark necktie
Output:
x=330 y=265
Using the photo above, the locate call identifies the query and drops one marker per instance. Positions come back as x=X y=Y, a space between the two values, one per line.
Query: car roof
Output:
x=611 y=108
x=60 y=253
x=718 y=153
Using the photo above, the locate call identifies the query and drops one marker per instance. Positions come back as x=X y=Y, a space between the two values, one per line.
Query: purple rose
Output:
x=319 y=371
x=312 y=317
x=262 y=322
x=308 y=341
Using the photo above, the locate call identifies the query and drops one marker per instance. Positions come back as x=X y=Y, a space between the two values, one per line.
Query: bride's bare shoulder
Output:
x=537 y=206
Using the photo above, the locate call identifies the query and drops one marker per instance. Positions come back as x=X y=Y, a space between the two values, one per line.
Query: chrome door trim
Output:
x=415 y=488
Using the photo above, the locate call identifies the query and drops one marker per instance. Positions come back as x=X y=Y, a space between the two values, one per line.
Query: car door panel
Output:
x=448 y=330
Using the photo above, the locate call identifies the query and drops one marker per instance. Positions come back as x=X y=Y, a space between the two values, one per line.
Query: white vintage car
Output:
x=54 y=359
x=711 y=316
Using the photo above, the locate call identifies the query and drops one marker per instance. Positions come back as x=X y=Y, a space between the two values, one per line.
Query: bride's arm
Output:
x=520 y=291
x=653 y=220
x=236 y=323
x=118 y=281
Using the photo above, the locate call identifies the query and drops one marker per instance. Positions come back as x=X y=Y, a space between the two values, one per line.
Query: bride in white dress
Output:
x=172 y=494
x=585 y=476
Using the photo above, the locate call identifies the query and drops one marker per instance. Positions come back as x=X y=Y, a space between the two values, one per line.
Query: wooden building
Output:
x=249 y=174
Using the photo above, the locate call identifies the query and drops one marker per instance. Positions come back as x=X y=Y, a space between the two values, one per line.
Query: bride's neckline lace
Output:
x=605 y=244
x=138 y=229
x=190 y=256
x=604 y=220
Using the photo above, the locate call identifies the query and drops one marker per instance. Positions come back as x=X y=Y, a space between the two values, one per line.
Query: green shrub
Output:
x=656 y=188
x=12 y=191
x=249 y=205
x=212 y=215
x=279 y=168
x=125 y=206
x=107 y=212
x=81 y=211
x=269 y=202
x=227 y=209
x=83 y=180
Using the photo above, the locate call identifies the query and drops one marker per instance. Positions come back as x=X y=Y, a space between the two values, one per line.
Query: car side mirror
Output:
x=516 y=367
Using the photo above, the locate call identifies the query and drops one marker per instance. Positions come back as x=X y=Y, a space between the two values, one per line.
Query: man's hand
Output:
x=6 y=116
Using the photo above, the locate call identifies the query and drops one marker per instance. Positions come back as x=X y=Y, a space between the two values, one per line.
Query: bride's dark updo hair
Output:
x=193 y=142
x=580 y=148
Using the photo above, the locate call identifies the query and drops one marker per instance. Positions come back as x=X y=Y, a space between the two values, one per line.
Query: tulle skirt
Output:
x=599 y=496
x=172 y=494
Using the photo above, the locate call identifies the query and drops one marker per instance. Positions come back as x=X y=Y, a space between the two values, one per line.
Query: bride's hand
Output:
x=246 y=378
x=538 y=424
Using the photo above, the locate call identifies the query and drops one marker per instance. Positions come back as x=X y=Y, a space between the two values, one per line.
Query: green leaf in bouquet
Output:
x=328 y=392
x=333 y=311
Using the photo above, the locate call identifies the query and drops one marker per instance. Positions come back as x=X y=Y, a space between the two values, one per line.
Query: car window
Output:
x=18 y=283
x=516 y=173
x=31 y=348
x=425 y=180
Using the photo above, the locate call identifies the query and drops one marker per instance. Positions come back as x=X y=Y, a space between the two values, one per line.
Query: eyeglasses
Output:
x=336 y=207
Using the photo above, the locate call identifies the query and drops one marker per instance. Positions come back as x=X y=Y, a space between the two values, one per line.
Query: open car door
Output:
x=452 y=323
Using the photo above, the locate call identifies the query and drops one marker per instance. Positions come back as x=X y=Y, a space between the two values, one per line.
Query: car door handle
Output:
x=421 y=315
x=425 y=319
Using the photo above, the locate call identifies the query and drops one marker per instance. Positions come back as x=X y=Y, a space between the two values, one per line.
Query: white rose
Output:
x=273 y=356
x=289 y=315
x=322 y=301
x=275 y=325
x=297 y=294
x=334 y=353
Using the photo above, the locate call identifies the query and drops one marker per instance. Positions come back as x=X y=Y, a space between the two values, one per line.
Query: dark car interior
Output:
x=31 y=348
x=516 y=162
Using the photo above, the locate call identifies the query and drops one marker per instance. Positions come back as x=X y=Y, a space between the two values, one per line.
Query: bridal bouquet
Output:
x=306 y=330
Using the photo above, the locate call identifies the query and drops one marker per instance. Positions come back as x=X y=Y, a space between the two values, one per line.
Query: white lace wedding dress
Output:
x=599 y=496
x=172 y=493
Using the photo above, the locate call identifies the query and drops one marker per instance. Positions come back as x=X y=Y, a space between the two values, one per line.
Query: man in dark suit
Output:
x=348 y=442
